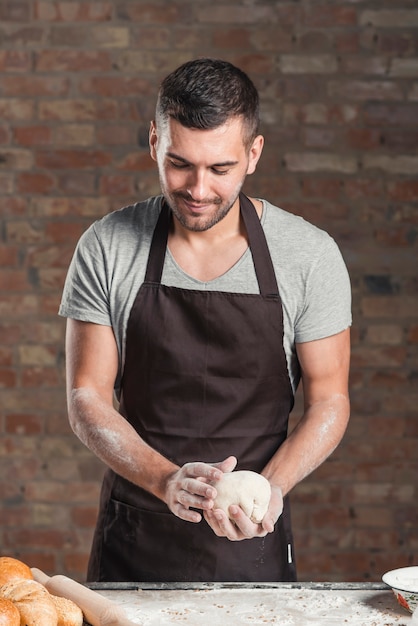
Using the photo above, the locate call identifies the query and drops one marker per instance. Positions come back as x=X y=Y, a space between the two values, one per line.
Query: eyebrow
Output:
x=172 y=155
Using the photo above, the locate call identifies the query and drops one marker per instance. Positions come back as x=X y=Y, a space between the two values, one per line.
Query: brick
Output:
x=231 y=37
x=385 y=334
x=321 y=188
x=5 y=135
x=7 y=378
x=381 y=357
x=74 y=184
x=63 y=231
x=389 y=18
x=152 y=13
x=117 y=185
x=404 y=68
x=36 y=355
x=97 y=36
x=67 y=159
x=74 y=135
x=326 y=15
x=35 y=183
x=51 y=279
x=15 y=10
x=364 y=139
x=14 y=109
x=390 y=114
x=375 y=65
x=393 y=164
x=7 y=183
x=313 y=64
x=361 y=90
x=32 y=135
x=73 y=11
x=136 y=162
x=318 y=161
x=15 y=159
x=400 y=140
x=146 y=36
x=323 y=137
x=160 y=62
x=394 y=43
x=40 y=376
x=78 y=206
x=33 y=86
x=27 y=36
x=15 y=61
x=24 y=232
x=389 y=307
x=14 y=280
x=77 y=110
x=116 y=86
x=73 y=61
x=116 y=134
x=23 y=424
x=319 y=113
x=84 y=517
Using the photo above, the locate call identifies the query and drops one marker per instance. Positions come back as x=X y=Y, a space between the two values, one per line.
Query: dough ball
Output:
x=69 y=614
x=249 y=490
x=13 y=569
x=9 y=614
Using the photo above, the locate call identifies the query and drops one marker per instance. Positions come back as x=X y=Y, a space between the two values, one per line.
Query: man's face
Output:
x=202 y=171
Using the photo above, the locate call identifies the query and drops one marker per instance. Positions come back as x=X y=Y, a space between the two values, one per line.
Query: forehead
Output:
x=227 y=138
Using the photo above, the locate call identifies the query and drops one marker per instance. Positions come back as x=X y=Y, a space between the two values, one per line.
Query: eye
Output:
x=219 y=172
x=178 y=165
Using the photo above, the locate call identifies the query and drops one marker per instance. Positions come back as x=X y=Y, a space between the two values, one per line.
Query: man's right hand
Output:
x=190 y=487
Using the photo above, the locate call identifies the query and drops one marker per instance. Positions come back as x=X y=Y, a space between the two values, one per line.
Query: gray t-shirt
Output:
x=109 y=263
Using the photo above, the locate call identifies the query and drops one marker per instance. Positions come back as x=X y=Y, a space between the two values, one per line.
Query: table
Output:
x=231 y=604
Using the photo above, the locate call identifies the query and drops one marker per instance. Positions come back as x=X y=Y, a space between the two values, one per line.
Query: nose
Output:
x=197 y=185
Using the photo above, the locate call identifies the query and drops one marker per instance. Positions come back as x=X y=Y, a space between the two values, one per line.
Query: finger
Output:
x=203 y=471
x=244 y=525
x=227 y=465
x=187 y=499
x=198 y=487
x=186 y=514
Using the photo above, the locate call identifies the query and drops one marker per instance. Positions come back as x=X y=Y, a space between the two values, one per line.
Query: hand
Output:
x=241 y=527
x=190 y=487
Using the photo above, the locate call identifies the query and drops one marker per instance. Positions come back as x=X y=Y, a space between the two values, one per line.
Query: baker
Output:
x=200 y=310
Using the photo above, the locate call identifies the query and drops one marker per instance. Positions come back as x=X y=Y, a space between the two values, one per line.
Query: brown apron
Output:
x=205 y=377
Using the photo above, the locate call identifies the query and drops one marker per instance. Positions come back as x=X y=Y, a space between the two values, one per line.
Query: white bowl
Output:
x=404 y=583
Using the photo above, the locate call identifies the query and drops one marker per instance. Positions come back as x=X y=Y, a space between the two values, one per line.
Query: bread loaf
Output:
x=69 y=614
x=9 y=614
x=13 y=569
x=33 y=601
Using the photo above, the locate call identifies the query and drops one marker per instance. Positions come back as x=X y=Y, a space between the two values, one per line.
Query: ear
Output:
x=255 y=153
x=153 y=139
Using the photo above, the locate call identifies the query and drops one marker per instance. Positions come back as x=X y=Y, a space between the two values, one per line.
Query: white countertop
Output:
x=321 y=604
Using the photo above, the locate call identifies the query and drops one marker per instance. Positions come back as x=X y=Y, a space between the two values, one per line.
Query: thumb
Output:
x=228 y=465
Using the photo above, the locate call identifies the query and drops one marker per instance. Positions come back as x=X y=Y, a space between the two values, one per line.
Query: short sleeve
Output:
x=86 y=294
x=326 y=309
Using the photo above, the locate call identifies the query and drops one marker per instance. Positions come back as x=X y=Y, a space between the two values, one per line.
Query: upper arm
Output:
x=325 y=367
x=91 y=357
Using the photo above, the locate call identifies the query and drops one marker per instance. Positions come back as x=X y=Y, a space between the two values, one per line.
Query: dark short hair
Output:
x=205 y=93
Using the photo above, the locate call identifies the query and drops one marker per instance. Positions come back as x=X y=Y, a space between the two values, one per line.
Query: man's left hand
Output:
x=240 y=526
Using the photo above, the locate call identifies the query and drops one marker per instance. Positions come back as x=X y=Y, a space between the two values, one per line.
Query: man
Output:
x=202 y=309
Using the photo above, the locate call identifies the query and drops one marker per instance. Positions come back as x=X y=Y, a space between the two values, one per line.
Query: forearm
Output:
x=111 y=438
x=315 y=437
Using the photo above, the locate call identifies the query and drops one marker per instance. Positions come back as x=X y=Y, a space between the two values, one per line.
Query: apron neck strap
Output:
x=258 y=245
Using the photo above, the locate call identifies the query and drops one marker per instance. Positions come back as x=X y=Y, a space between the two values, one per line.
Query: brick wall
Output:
x=339 y=89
